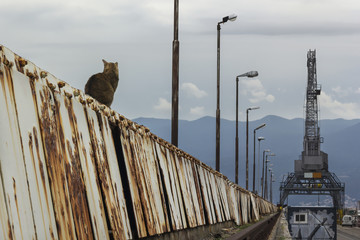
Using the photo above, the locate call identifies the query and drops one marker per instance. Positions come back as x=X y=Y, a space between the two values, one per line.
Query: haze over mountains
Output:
x=282 y=136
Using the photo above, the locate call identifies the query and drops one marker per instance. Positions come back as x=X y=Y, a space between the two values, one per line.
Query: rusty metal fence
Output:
x=72 y=168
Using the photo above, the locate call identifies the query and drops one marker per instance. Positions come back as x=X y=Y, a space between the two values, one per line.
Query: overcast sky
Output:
x=69 y=38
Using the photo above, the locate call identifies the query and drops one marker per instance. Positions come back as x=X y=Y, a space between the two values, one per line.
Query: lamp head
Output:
x=251 y=108
x=250 y=74
x=261 y=138
x=261 y=126
x=231 y=17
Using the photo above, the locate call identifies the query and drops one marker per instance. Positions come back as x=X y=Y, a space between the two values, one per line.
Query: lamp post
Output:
x=247 y=144
x=271 y=181
x=250 y=75
x=259 y=127
x=225 y=19
x=175 y=79
x=262 y=176
x=266 y=187
x=258 y=165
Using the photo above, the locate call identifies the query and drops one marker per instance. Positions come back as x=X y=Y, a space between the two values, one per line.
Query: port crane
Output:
x=311 y=175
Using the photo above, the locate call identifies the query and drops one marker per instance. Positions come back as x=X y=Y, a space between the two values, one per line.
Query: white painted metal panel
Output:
x=106 y=182
x=174 y=208
x=185 y=189
x=89 y=172
x=196 y=192
x=153 y=180
x=208 y=206
x=255 y=207
x=5 y=228
x=115 y=177
x=73 y=173
x=244 y=208
x=174 y=176
x=12 y=166
x=44 y=216
x=54 y=161
x=132 y=178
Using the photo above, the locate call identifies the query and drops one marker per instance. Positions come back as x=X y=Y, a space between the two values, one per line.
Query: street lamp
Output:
x=225 y=19
x=262 y=176
x=249 y=75
x=259 y=127
x=247 y=144
x=258 y=166
x=266 y=188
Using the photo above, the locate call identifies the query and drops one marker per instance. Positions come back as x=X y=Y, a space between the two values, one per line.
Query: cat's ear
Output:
x=116 y=64
x=105 y=62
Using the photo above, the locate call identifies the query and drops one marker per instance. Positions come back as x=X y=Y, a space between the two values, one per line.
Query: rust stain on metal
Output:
x=20 y=64
x=132 y=176
x=54 y=160
x=17 y=207
x=99 y=156
x=43 y=74
x=73 y=173
x=10 y=235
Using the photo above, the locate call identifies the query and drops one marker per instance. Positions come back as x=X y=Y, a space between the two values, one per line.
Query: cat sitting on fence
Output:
x=102 y=86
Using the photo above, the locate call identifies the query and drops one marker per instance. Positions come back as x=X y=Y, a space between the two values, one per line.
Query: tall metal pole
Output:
x=175 y=79
x=247 y=149
x=270 y=186
x=258 y=186
x=265 y=190
x=262 y=176
x=218 y=102
x=237 y=134
x=254 y=162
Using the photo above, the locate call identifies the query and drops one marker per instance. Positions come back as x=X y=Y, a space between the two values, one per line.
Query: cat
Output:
x=102 y=86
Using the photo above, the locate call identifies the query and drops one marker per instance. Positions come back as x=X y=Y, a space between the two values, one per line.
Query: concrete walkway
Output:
x=281 y=229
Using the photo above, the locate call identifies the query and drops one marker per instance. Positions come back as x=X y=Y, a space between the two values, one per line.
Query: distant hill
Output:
x=283 y=136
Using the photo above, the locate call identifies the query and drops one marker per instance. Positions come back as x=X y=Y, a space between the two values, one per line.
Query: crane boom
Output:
x=313 y=159
x=312 y=130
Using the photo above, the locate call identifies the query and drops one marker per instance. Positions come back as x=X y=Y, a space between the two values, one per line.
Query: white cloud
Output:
x=341 y=92
x=163 y=105
x=255 y=90
x=336 y=108
x=192 y=90
x=198 y=111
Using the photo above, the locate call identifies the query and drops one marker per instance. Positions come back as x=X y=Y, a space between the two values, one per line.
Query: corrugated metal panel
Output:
x=5 y=228
x=169 y=187
x=70 y=154
x=107 y=183
x=44 y=216
x=73 y=168
x=244 y=208
x=89 y=171
x=54 y=157
x=13 y=172
x=113 y=165
x=209 y=206
x=254 y=207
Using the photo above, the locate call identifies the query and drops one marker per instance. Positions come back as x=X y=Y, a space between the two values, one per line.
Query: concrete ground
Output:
x=281 y=229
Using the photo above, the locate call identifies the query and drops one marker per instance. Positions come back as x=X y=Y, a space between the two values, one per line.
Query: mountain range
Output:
x=284 y=137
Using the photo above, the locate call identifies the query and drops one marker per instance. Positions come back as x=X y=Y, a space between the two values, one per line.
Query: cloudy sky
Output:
x=70 y=37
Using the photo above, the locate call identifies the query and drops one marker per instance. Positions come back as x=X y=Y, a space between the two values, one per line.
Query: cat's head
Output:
x=110 y=67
